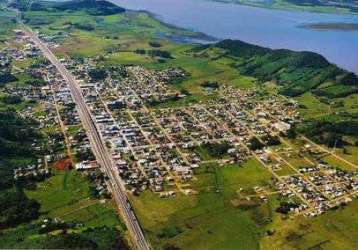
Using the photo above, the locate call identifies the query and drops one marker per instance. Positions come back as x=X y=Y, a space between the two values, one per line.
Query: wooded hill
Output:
x=91 y=7
x=295 y=72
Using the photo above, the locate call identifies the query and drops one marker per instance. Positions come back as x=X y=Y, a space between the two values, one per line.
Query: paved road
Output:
x=99 y=149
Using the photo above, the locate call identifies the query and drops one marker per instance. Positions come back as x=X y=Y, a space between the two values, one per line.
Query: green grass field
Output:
x=207 y=220
x=338 y=163
x=65 y=196
x=312 y=107
x=336 y=229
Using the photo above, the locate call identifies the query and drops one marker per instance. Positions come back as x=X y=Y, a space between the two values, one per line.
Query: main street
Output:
x=99 y=149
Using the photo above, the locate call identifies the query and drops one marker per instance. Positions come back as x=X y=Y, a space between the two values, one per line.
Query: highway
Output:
x=99 y=149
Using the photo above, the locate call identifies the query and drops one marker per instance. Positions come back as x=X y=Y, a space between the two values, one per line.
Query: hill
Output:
x=91 y=7
x=295 y=72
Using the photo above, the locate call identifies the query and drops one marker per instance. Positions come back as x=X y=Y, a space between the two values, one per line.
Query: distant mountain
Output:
x=91 y=7
x=295 y=72
x=347 y=4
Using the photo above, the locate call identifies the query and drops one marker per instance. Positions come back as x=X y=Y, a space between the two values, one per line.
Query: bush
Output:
x=97 y=74
x=16 y=208
x=155 y=44
x=212 y=85
x=11 y=99
x=255 y=144
x=217 y=150
x=83 y=26
x=140 y=51
x=6 y=77
x=69 y=241
x=160 y=53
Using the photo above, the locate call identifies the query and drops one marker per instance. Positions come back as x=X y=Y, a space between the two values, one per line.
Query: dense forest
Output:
x=91 y=7
x=16 y=136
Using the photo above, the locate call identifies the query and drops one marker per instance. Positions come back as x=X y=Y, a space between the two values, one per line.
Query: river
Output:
x=265 y=27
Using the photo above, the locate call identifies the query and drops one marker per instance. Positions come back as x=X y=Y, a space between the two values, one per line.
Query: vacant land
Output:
x=66 y=197
x=207 y=220
x=336 y=229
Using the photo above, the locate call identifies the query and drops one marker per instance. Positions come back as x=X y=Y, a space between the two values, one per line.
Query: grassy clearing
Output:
x=23 y=64
x=17 y=106
x=66 y=196
x=206 y=220
x=128 y=57
x=336 y=229
x=350 y=155
x=312 y=107
x=295 y=160
x=338 y=163
x=285 y=170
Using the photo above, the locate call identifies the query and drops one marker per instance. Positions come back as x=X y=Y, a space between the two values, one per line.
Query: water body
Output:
x=265 y=27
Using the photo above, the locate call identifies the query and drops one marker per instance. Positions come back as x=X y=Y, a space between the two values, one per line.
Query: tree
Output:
x=16 y=208
x=255 y=144
x=97 y=74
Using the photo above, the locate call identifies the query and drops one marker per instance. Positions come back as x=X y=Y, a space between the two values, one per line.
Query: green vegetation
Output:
x=7 y=20
x=295 y=72
x=65 y=197
x=219 y=216
x=207 y=220
x=91 y=7
x=6 y=77
x=336 y=229
x=16 y=136
x=330 y=132
x=325 y=6
x=16 y=208
x=97 y=74
x=212 y=150
x=58 y=212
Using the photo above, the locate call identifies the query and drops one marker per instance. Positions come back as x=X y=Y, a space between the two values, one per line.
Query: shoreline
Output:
x=188 y=38
x=202 y=38
x=291 y=8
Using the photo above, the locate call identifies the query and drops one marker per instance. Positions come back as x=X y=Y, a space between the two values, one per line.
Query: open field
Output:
x=336 y=229
x=65 y=196
x=207 y=220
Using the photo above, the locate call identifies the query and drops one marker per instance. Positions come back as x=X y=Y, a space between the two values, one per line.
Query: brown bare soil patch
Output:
x=63 y=164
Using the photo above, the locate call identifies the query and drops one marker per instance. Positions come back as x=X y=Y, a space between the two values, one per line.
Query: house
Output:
x=86 y=165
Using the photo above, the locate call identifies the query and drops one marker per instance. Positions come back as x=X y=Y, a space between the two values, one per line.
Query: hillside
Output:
x=295 y=72
x=91 y=7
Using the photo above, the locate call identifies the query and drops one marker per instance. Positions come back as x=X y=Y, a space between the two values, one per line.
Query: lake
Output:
x=265 y=27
